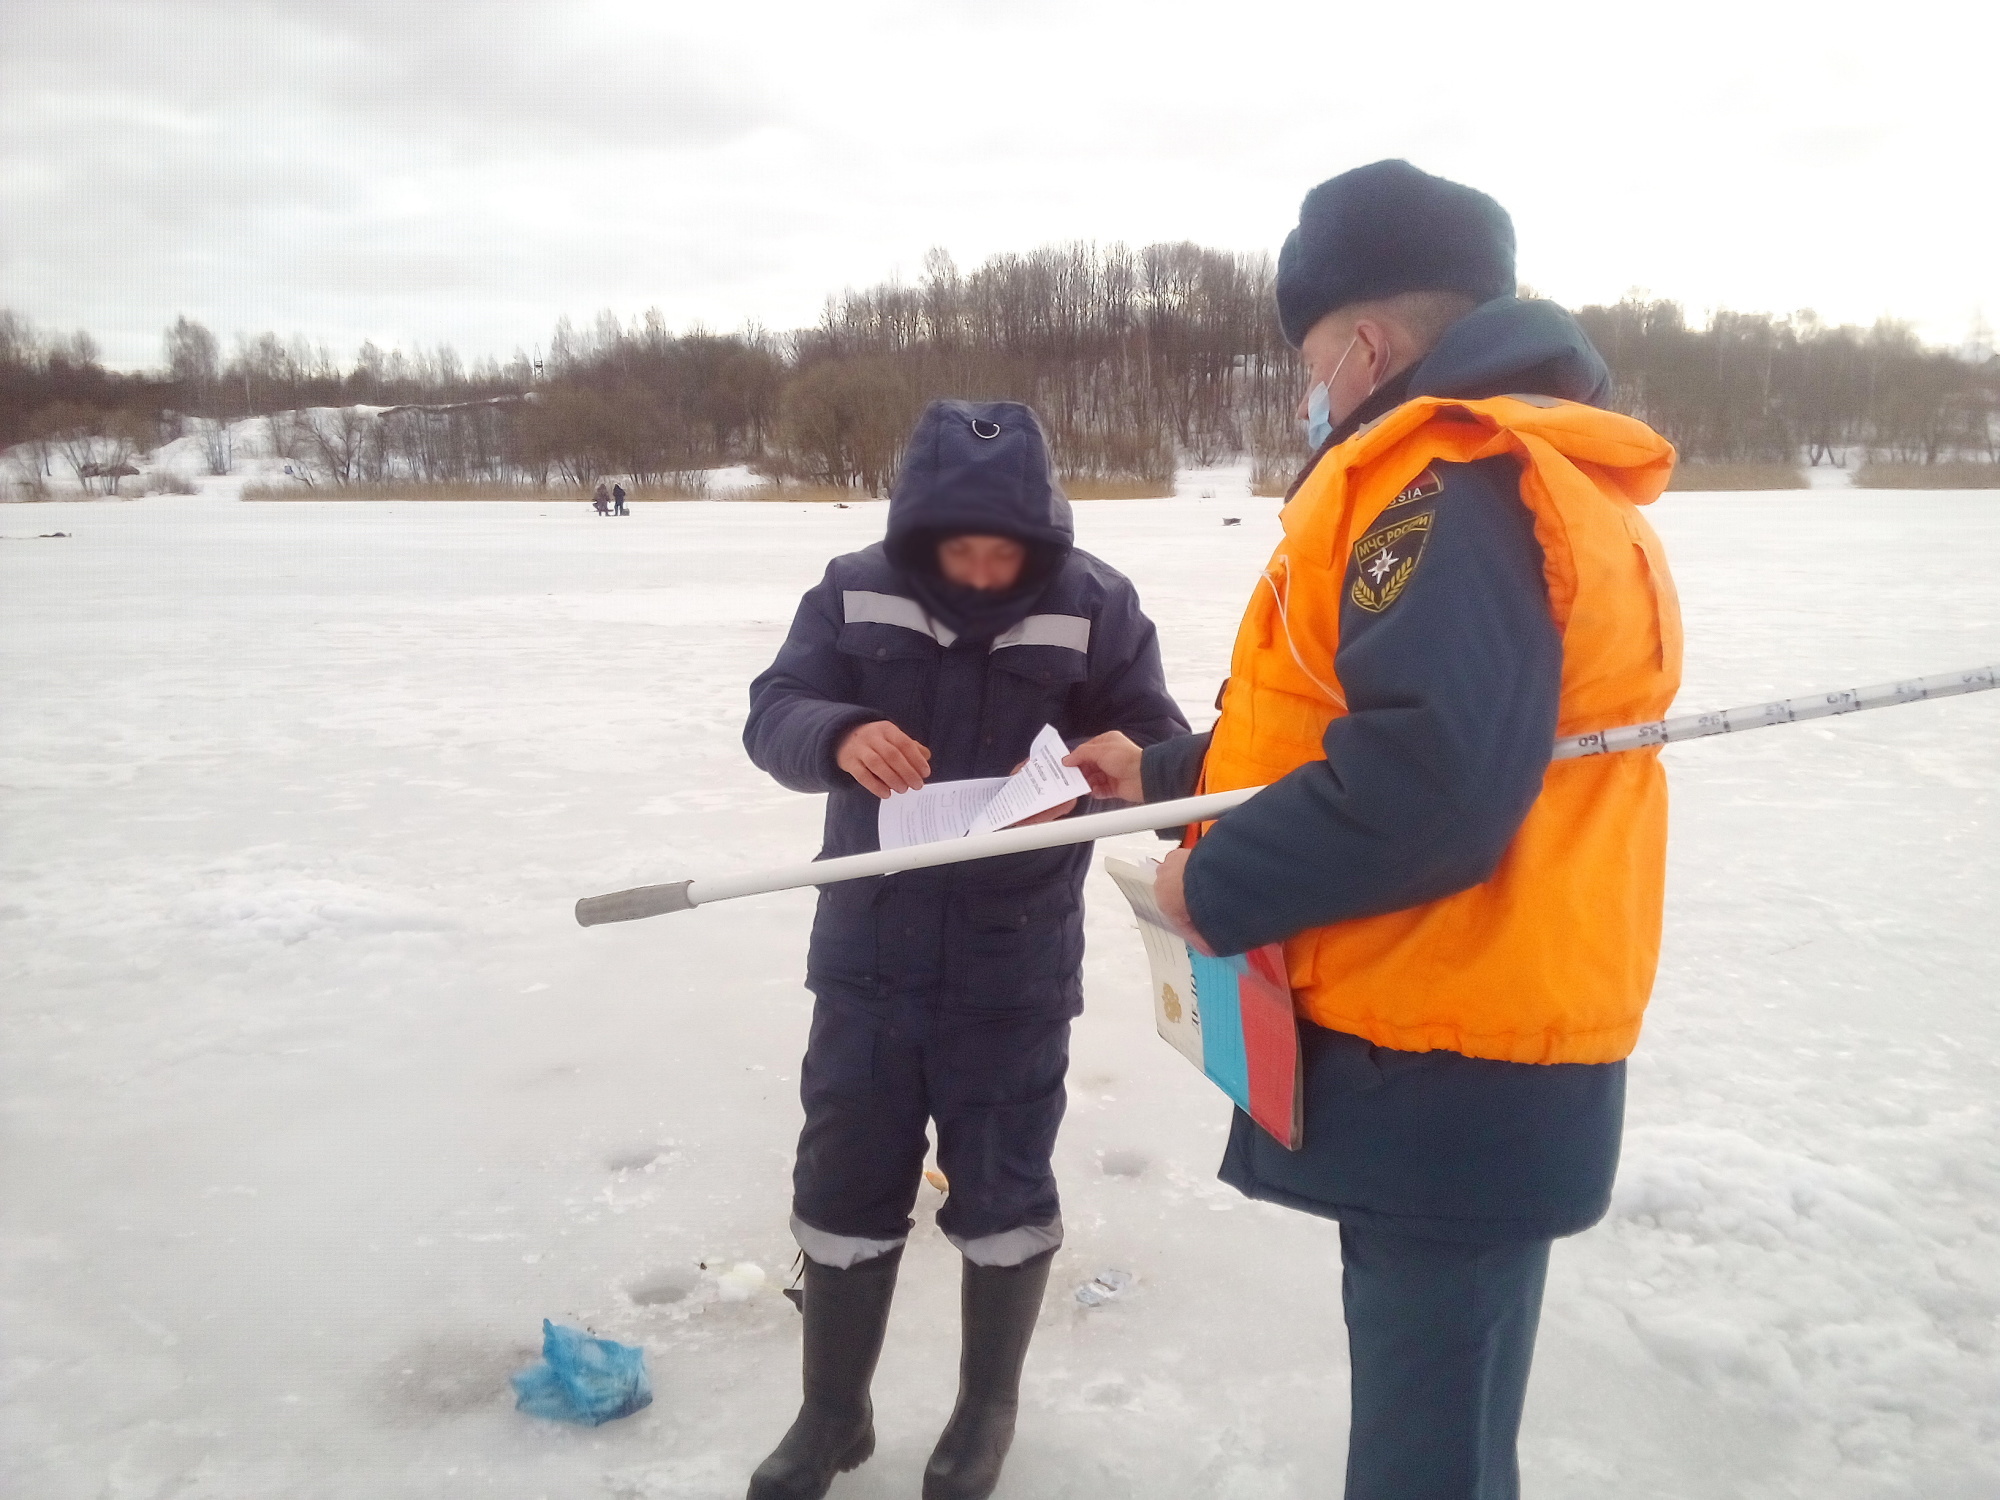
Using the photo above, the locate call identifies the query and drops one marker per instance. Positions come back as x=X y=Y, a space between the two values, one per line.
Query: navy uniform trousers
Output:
x=1451 y=1176
x=871 y=1084
x=1439 y=1339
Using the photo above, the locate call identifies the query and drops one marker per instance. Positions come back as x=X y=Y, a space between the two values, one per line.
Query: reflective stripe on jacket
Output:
x=1002 y=934
x=1551 y=959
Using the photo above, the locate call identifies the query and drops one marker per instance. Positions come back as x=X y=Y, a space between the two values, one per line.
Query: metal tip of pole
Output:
x=630 y=906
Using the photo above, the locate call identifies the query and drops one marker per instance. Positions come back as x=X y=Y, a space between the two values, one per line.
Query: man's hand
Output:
x=883 y=758
x=1169 y=889
x=1111 y=764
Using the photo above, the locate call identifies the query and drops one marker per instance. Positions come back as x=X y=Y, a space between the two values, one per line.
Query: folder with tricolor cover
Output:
x=1231 y=1017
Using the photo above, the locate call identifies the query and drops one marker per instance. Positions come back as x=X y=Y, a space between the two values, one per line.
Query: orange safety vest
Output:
x=1551 y=959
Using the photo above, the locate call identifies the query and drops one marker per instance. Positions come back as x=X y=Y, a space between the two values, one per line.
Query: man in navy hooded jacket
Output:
x=943 y=994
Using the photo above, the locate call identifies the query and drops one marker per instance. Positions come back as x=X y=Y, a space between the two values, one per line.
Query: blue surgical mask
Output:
x=1319 y=406
x=1319 y=417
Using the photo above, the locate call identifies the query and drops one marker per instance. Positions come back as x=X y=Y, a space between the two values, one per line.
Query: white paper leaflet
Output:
x=942 y=810
x=953 y=809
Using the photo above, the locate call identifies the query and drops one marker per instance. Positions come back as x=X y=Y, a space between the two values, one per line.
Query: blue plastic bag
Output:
x=583 y=1379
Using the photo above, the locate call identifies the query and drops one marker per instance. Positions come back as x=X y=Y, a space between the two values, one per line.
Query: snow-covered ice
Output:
x=316 y=1101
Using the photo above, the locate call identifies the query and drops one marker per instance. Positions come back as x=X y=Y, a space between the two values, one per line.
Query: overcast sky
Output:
x=416 y=171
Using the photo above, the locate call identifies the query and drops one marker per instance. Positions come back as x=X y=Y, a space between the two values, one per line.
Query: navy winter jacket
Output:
x=876 y=640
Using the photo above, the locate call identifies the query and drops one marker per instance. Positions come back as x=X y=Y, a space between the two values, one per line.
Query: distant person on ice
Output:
x=1471 y=930
x=601 y=500
x=618 y=501
x=942 y=995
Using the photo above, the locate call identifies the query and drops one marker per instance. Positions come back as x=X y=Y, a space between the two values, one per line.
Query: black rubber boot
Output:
x=998 y=1305
x=846 y=1313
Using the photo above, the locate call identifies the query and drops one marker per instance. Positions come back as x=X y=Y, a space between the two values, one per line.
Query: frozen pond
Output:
x=315 y=1101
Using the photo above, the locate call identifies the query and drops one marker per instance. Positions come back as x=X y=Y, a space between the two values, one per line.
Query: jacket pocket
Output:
x=1030 y=686
x=1015 y=951
x=895 y=670
x=840 y=1052
x=843 y=951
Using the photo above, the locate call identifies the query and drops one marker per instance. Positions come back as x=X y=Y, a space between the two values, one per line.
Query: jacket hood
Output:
x=976 y=468
x=1507 y=347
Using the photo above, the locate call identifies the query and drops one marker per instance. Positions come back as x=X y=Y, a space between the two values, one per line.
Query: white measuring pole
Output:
x=652 y=900
x=684 y=895
x=1785 y=711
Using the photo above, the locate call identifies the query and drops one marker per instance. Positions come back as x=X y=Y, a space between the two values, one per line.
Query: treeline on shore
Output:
x=1139 y=361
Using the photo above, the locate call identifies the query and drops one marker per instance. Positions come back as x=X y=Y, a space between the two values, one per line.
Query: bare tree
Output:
x=73 y=431
x=344 y=441
x=294 y=440
x=32 y=461
x=194 y=364
x=125 y=437
x=218 y=443
x=845 y=421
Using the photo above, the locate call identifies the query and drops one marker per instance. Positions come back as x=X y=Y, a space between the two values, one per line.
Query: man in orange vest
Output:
x=1471 y=931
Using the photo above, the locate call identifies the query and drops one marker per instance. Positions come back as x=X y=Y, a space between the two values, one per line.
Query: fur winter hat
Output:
x=1387 y=228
